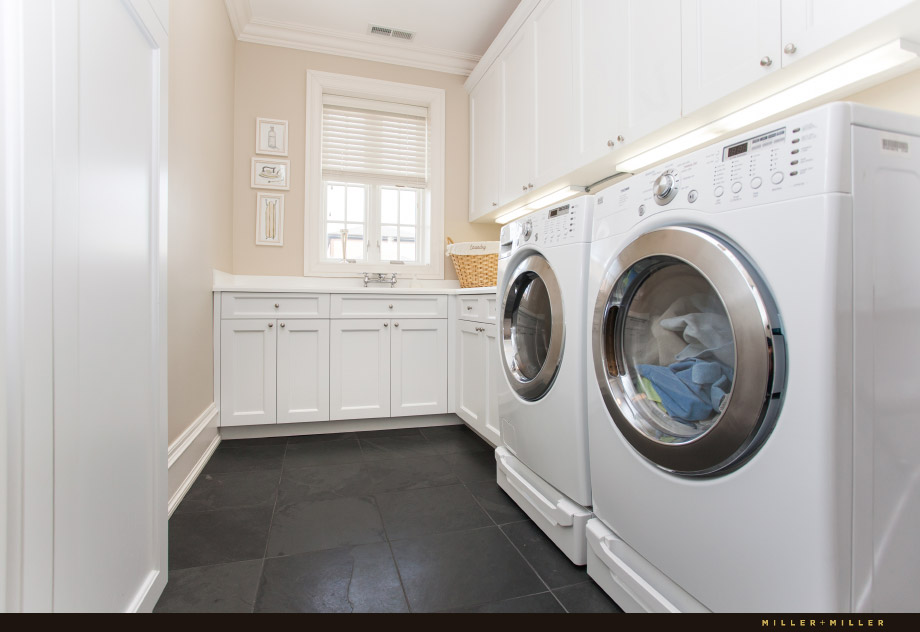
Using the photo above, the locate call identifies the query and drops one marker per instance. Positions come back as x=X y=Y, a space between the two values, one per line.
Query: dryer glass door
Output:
x=532 y=327
x=686 y=344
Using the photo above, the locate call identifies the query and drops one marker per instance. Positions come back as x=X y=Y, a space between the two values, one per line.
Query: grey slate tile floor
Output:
x=387 y=521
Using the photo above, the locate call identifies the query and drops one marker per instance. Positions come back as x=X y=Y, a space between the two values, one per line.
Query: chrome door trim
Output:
x=760 y=353
x=533 y=389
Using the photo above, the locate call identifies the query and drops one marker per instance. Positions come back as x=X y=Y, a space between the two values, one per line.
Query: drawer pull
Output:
x=277 y=305
x=469 y=307
x=390 y=305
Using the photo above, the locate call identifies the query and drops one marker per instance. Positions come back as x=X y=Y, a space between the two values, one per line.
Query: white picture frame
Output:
x=271 y=137
x=268 y=173
x=270 y=219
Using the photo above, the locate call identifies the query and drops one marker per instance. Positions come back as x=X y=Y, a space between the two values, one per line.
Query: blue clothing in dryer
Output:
x=690 y=390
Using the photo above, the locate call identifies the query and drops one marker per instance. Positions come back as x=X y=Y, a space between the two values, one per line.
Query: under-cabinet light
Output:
x=848 y=73
x=546 y=200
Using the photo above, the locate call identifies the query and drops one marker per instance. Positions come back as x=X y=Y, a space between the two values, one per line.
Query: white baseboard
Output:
x=189 y=453
x=150 y=593
x=347 y=425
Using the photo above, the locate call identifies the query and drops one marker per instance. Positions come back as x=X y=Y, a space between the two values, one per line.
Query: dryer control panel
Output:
x=559 y=225
x=803 y=155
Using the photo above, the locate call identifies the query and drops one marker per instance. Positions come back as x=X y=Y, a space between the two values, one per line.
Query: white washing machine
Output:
x=753 y=382
x=543 y=461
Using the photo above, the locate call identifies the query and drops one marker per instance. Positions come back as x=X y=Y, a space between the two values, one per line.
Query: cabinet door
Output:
x=303 y=370
x=727 y=45
x=359 y=369
x=641 y=91
x=418 y=376
x=494 y=378
x=555 y=138
x=809 y=25
x=471 y=374
x=486 y=143
x=518 y=66
x=247 y=372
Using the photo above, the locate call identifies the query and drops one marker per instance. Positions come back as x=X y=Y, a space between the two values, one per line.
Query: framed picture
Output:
x=270 y=219
x=271 y=174
x=271 y=137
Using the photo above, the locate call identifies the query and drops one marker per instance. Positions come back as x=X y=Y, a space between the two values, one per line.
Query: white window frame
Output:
x=319 y=83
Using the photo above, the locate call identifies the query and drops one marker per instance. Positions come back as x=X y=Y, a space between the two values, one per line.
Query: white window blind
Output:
x=374 y=139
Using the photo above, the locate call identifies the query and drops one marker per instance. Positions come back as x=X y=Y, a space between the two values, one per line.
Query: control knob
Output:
x=665 y=187
x=527 y=230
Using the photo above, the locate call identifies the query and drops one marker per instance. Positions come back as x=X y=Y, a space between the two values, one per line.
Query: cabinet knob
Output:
x=530 y=186
x=469 y=307
x=386 y=324
x=396 y=324
x=789 y=48
x=766 y=61
x=620 y=139
x=270 y=325
x=610 y=143
x=494 y=203
x=282 y=324
x=277 y=305
x=524 y=188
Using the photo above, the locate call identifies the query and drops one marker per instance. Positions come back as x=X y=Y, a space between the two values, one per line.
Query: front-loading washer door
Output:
x=688 y=351
x=533 y=329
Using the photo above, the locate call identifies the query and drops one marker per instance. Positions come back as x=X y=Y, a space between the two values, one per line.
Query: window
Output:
x=375 y=152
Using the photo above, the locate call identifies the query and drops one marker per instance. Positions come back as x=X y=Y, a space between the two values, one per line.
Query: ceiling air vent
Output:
x=385 y=31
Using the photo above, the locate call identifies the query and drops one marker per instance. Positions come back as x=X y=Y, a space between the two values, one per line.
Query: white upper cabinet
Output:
x=486 y=143
x=727 y=45
x=518 y=68
x=809 y=25
x=556 y=112
x=627 y=70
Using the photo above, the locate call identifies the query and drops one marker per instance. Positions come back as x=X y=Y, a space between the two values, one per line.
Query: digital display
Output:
x=556 y=212
x=741 y=148
x=754 y=144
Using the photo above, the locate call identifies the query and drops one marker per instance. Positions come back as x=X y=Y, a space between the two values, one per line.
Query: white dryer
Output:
x=753 y=384
x=543 y=461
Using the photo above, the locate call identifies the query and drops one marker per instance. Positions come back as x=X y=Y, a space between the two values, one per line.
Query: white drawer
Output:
x=481 y=308
x=378 y=306
x=256 y=305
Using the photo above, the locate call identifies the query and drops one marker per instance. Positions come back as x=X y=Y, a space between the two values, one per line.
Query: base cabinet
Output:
x=247 y=372
x=418 y=367
x=359 y=368
x=477 y=371
x=302 y=371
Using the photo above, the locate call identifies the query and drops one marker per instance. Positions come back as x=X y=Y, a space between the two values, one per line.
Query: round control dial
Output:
x=527 y=230
x=665 y=187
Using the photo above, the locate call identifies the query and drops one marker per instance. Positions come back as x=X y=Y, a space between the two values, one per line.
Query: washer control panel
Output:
x=565 y=223
x=797 y=157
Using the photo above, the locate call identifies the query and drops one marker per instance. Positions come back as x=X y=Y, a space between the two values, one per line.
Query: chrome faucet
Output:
x=380 y=277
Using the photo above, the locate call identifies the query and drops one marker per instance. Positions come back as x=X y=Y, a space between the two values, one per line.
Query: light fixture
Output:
x=848 y=73
x=546 y=200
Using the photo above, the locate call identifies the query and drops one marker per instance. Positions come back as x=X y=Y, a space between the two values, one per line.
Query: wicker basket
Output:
x=476 y=270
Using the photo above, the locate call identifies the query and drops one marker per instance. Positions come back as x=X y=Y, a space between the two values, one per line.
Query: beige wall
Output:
x=271 y=83
x=901 y=94
x=200 y=195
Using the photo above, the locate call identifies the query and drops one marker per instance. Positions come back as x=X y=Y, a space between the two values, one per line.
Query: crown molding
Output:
x=246 y=28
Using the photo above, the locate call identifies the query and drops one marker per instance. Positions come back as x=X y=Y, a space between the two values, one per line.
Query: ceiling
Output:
x=450 y=35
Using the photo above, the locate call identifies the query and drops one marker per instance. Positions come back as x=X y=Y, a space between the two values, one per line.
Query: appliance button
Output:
x=692 y=196
x=794 y=162
x=736 y=187
x=795 y=151
x=793 y=173
x=777 y=177
x=756 y=182
x=718 y=192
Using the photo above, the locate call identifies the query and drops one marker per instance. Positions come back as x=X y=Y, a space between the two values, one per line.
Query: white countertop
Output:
x=224 y=282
